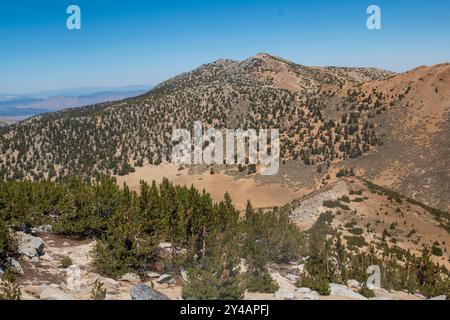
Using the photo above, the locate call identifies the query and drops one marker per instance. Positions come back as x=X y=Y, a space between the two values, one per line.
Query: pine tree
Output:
x=5 y=242
x=216 y=278
x=257 y=277
x=215 y=274
x=126 y=246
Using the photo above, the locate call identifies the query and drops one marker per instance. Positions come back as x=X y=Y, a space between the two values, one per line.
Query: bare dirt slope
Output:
x=415 y=157
x=362 y=209
x=241 y=189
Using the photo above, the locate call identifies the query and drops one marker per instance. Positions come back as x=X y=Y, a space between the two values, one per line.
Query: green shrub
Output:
x=97 y=291
x=366 y=292
x=392 y=195
x=436 y=250
x=6 y=241
x=350 y=224
x=204 y=285
x=261 y=282
x=217 y=275
x=356 y=231
x=123 y=250
x=344 y=199
x=65 y=262
x=318 y=283
x=355 y=241
x=9 y=288
x=413 y=231
x=335 y=204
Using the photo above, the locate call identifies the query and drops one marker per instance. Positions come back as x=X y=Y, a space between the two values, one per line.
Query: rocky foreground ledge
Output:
x=51 y=267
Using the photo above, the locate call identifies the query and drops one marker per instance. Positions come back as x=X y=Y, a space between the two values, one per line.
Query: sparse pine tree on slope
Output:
x=217 y=274
x=125 y=246
x=255 y=247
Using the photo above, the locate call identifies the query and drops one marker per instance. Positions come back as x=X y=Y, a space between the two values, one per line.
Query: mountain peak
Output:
x=221 y=61
x=263 y=55
x=269 y=58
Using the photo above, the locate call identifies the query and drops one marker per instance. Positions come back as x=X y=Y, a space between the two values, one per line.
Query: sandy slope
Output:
x=240 y=190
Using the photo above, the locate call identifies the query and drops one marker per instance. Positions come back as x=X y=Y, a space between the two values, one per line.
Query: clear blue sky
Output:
x=145 y=42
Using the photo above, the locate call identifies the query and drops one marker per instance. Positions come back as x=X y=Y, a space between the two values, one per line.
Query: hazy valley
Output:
x=18 y=107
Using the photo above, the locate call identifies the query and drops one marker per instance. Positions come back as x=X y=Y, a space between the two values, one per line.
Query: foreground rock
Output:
x=14 y=266
x=42 y=229
x=110 y=284
x=354 y=285
x=306 y=294
x=439 y=298
x=283 y=294
x=292 y=277
x=29 y=245
x=54 y=294
x=165 y=278
x=154 y=275
x=382 y=294
x=343 y=291
x=144 y=292
x=131 y=278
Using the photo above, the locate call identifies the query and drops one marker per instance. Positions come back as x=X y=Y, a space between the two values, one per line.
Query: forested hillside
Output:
x=115 y=138
x=209 y=240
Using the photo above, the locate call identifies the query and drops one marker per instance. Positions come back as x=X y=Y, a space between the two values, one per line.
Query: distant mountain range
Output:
x=4 y=122
x=21 y=106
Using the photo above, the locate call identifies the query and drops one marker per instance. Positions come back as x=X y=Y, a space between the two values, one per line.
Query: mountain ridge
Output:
x=328 y=117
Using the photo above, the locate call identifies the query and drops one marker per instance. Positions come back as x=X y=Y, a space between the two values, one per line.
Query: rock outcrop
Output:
x=306 y=294
x=144 y=292
x=165 y=278
x=439 y=298
x=283 y=294
x=131 y=278
x=14 y=265
x=309 y=208
x=29 y=245
x=344 y=291
x=50 y=293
